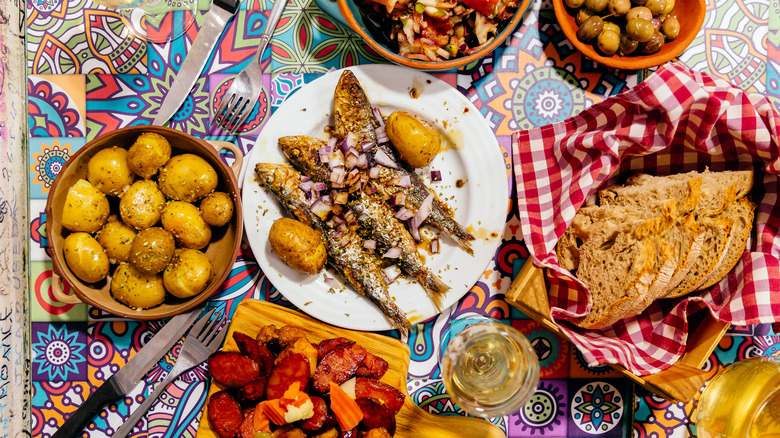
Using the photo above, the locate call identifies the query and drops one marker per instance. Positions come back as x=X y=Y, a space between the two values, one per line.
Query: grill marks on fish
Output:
x=353 y=113
x=345 y=248
x=377 y=222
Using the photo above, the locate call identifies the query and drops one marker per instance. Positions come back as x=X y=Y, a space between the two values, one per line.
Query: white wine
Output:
x=490 y=369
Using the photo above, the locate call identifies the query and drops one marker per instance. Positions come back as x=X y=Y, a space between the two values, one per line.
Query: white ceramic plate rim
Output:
x=471 y=153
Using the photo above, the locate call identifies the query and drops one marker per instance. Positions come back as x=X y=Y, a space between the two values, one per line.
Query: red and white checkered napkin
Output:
x=676 y=121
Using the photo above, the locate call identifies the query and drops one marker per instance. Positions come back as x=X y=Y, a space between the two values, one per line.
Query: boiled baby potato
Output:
x=152 y=250
x=298 y=245
x=85 y=257
x=116 y=238
x=184 y=221
x=216 y=209
x=108 y=171
x=148 y=154
x=86 y=208
x=142 y=204
x=187 y=177
x=188 y=274
x=136 y=289
x=416 y=140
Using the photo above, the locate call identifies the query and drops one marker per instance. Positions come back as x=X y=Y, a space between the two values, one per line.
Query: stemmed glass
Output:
x=141 y=17
x=488 y=368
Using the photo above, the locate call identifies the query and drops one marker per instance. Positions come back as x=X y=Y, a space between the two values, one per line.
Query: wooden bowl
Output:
x=411 y=420
x=222 y=250
x=690 y=14
x=348 y=14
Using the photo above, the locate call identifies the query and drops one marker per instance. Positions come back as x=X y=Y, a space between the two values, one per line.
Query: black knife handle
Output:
x=107 y=393
x=228 y=5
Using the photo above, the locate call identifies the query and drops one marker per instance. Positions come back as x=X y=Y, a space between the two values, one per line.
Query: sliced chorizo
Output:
x=247 y=345
x=338 y=366
x=247 y=429
x=232 y=368
x=389 y=396
x=267 y=359
x=317 y=421
x=328 y=345
x=373 y=366
x=254 y=390
x=376 y=416
x=225 y=415
x=293 y=368
x=288 y=335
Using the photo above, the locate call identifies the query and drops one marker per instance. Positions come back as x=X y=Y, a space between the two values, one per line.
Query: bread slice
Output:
x=687 y=194
x=717 y=190
x=741 y=213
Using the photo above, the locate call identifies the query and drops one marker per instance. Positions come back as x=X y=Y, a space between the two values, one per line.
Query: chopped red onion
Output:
x=382 y=158
x=393 y=253
x=350 y=161
x=415 y=232
x=367 y=146
x=435 y=175
x=369 y=244
x=320 y=208
x=362 y=161
x=381 y=135
x=404 y=214
x=341 y=198
x=337 y=209
x=378 y=116
x=326 y=199
x=324 y=157
x=403 y=181
x=320 y=186
x=374 y=172
x=336 y=160
x=306 y=185
x=350 y=141
x=331 y=282
x=435 y=245
x=337 y=176
x=391 y=273
x=398 y=198
x=422 y=212
x=332 y=142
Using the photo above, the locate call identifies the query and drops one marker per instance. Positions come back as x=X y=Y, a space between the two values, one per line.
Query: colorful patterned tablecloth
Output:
x=86 y=77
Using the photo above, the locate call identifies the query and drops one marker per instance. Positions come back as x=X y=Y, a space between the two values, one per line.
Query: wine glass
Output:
x=488 y=368
x=157 y=21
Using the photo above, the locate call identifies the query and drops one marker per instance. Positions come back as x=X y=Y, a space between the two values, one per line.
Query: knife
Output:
x=124 y=380
x=220 y=12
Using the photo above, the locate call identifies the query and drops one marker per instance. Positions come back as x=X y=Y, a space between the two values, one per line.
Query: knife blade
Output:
x=124 y=380
x=220 y=12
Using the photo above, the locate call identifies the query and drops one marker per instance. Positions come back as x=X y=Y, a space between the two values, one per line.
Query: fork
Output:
x=240 y=99
x=205 y=338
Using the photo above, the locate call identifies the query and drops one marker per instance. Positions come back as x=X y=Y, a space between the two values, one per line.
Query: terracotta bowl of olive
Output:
x=690 y=14
x=221 y=250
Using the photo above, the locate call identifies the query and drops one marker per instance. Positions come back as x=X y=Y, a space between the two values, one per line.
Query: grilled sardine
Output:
x=345 y=248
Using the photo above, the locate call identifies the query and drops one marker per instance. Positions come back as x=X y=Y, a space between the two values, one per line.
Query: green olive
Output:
x=582 y=15
x=670 y=28
x=619 y=8
x=590 y=29
x=612 y=27
x=640 y=29
x=574 y=4
x=656 y=6
x=653 y=45
x=639 y=12
x=596 y=5
x=628 y=45
x=608 y=42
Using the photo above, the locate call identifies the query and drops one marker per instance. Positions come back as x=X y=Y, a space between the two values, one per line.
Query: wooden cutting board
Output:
x=411 y=420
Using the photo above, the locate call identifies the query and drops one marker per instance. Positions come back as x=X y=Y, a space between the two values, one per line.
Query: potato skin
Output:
x=152 y=250
x=188 y=273
x=187 y=177
x=416 y=140
x=85 y=257
x=109 y=172
x=86 y=208
x=148 y=154
x=142 y=204
x=216 y=209
x=298 y=245
x=184 y=221
x=116 y=238
x=135 y=289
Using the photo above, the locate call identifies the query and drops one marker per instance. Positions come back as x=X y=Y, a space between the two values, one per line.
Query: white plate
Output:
x=470 y=153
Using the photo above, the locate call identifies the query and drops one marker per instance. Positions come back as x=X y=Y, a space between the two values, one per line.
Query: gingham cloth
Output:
x=677 y=120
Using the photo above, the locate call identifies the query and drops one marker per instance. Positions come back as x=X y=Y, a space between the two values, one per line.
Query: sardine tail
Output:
x=434 y=287
x=460 y=235
x=396 y=316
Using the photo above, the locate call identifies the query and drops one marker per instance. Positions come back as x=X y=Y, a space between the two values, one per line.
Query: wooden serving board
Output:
x=411 y=420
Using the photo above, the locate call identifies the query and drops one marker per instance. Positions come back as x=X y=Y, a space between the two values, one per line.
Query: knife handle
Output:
x=107 y=393
x=228 y=5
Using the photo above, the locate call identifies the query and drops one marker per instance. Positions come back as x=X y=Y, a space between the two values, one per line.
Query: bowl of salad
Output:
x=429 y=34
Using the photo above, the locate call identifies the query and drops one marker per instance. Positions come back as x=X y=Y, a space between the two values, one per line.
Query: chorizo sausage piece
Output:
x=288 y=335
x=248 y=346
x=269 y=336
x=338 y=366
x=376 y=416
x=267 y=359
x=304 y=347
x=225 y=414
x=373 y=366
x=389 y=396
x=328 y=345
x=232 y=368
x=247 y=429
x=254 y=390
x=317 y=421
x=293 y=368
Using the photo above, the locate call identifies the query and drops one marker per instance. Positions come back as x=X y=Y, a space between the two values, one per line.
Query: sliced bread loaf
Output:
x=686 y=193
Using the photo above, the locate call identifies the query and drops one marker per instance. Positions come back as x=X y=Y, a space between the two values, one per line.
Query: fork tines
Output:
x=232 y=112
